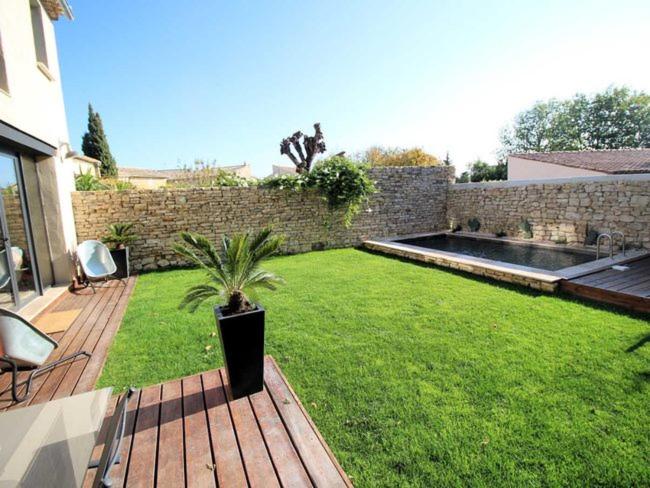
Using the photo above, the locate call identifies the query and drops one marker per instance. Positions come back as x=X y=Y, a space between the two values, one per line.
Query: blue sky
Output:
x=227 y=80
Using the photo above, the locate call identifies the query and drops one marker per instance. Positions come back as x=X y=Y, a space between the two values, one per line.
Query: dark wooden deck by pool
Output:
x=629 y=288
x=186 y=433
x=92 y=331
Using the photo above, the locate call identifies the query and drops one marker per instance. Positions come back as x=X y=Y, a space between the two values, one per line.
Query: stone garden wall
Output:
x=558 y=210
x=410 y=200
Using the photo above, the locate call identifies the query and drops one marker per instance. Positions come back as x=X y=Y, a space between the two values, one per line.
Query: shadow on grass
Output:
x=514 y=287
x=640 y=343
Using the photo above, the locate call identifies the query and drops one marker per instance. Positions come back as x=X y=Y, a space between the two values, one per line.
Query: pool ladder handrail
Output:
x=611 y=243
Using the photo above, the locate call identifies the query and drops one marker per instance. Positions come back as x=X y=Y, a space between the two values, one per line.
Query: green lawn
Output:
x=417 y=376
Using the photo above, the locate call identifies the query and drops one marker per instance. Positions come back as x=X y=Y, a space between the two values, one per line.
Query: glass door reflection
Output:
x=17 y=275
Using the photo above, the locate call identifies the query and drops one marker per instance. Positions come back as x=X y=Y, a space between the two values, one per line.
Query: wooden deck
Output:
x=186 y=433
x=629 y=289
x=92 y=331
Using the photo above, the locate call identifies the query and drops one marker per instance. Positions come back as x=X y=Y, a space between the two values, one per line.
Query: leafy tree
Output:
x=614 y=119
x=394 y=156
x=481 y=171
x=95 y=144
x=447 y=159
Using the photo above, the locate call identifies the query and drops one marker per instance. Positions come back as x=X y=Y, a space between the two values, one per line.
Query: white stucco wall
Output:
x=526 y=169
x=34 y=104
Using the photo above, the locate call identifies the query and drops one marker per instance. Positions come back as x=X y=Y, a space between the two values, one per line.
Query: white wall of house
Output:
x=33 y=103
x=527 y=169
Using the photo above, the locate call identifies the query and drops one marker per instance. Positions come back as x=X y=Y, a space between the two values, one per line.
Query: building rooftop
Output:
x=56 y=8
x=610 y=161
x=140 y=173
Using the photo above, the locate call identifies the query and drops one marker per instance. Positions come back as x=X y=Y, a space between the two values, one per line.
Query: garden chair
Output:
x=96 y=261
x=25 y=348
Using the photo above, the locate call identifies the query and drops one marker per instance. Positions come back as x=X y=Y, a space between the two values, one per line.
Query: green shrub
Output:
x=343 y=183
x=120 y=235
x=526 y=229
x=474 y=224
x=501 y=233
x=88 y=182
x=591 y=237
x=295 y=182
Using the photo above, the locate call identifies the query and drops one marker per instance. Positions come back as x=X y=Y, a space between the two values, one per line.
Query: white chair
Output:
x=25 y=348
x=96 y=261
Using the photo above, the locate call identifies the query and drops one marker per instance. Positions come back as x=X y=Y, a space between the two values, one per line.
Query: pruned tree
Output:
x=306 y=150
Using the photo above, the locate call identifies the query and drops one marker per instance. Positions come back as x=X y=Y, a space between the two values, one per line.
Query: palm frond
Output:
x=235 y=271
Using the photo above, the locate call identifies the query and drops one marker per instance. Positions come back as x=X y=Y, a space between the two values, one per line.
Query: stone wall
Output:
x=410 y=200
x=558 y=210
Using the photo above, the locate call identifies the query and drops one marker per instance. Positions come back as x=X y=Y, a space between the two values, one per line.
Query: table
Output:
x=50 y=444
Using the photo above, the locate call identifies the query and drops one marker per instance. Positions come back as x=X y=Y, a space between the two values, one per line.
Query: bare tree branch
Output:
x=311 y=147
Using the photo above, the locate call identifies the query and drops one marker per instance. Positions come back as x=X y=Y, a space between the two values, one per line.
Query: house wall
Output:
x=144 y=183
x=410 y=200
x=526 y=169
x=558 y=210
x=34 y=104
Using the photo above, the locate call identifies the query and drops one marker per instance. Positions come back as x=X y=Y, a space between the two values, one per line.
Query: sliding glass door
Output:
x=19 y=279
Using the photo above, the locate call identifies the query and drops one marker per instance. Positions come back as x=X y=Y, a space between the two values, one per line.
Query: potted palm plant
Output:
x=118 y=238
x=233 y=275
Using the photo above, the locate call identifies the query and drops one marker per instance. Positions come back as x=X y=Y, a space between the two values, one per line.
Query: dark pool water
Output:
x=524 y=255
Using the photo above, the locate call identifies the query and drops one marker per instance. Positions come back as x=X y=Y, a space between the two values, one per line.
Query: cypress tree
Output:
x=95 y=144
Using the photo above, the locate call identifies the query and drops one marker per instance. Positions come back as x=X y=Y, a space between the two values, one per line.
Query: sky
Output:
x=227 y=80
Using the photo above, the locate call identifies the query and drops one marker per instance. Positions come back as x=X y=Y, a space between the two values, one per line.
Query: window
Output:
x=4 y=82
x=39 y=32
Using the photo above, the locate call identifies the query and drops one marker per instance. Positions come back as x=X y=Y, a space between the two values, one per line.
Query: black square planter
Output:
x=121 y=259
x=242 y=344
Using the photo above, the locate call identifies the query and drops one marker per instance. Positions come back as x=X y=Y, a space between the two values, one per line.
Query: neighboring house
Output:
x=36 y=171
x=283 y=170
x=157 y=178
x=566 y=164
x=83 y=164
x=142 y=178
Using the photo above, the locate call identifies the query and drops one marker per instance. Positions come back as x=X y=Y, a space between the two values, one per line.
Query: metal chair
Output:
x=96 y=261
x=25 y=348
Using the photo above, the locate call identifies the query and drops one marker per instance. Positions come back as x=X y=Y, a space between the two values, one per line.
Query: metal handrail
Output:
x=611 y=247
x=617 y=233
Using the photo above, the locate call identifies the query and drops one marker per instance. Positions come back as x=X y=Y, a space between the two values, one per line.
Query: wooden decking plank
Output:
x=228 y=461
x=640 y=288
x=171 y=452
x=199 y=464
x=142 y=463
x=76 y=369
x=314 y=452
x=640 y=281
x=631 y=302
x=52 y=380
x=617 y=276
x=258 y=465
x=100 y=351
x=67 y=345
x=283 y=454
x=5 y=380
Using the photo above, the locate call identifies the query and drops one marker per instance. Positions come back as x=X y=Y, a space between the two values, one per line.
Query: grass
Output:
x=417 y=376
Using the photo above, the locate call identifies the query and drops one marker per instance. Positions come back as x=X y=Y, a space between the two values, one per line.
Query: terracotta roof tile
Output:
x=611 y=161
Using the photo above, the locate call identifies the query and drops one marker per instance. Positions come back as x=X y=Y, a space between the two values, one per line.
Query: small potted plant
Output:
x=118 y=238
x=234 y=274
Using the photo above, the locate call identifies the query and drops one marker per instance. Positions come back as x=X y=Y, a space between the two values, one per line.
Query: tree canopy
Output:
x=393 y=156
x=481 y=171
x=95 y=144
x=614 y=119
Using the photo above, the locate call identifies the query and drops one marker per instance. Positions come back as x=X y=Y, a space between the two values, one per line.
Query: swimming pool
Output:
x=524 y=254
